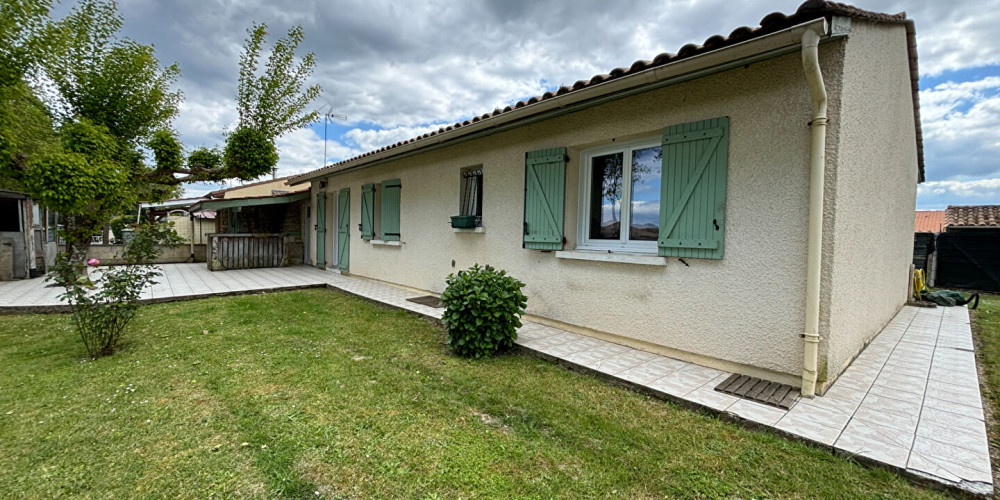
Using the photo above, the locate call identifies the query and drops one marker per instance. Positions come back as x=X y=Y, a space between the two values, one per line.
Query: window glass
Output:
x=644 y=216
x=605 y=196
x=472 y=193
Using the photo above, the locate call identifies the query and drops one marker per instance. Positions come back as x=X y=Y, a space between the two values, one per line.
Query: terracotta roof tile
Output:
x=929 y=221
x=775 y=21
x=976 y=215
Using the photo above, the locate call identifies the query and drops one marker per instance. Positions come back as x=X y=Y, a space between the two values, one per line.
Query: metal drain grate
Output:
x=427 y=300
x=759 y=390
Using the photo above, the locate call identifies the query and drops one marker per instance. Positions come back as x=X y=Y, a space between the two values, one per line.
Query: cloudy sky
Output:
x=399 y=69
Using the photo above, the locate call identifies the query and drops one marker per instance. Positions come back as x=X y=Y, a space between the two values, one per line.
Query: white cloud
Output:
x=405 y=68
x=201 y=121
x=938 y=102
x=956 y=35
x=936 y=195
x=199 y=189
x=983 y=188
x=960 y=122
x=368 y=140
x=301 y=151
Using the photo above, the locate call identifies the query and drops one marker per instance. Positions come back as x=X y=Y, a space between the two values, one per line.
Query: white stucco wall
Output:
x=872 y=196
x=746 y=309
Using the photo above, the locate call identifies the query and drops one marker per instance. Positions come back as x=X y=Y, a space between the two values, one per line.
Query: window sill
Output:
x=621 y=258
x=387 y=243
x=479 y=229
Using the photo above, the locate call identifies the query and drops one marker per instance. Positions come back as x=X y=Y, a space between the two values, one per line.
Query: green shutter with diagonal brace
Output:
x=389 y=215
x=367 y=211
x=321 y=230
x=544 y=193
x=693 y=189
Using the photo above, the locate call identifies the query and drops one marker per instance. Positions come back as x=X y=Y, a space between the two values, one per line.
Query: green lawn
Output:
x=986 y=327
x=290 y=394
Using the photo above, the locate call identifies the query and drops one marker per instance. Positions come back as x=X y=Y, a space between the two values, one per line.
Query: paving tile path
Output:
x=910 y=401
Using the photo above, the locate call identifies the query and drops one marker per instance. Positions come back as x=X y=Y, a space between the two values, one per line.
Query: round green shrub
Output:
x=249 y=153
x=483 y=307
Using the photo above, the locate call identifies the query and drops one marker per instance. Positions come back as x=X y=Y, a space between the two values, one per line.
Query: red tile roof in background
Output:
x=929 y=221
x=975 y=215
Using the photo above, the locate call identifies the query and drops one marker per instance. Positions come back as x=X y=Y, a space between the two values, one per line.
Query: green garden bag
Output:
x=950 y=298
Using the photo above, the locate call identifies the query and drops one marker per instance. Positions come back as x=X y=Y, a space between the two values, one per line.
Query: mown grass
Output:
x=313 y=393
x=986 y=328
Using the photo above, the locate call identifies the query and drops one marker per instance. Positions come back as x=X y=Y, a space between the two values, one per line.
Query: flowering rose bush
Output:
x=103 y=307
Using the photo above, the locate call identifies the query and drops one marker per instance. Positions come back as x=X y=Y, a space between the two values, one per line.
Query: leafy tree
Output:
x=252 y=149
x=269 y=103
x=274 y=101
x=106 y=94
x=85 y=181
x=108 y=102
x=22 y=40
x=26 y=130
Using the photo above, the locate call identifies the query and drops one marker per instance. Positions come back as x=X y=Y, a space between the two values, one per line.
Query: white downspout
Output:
x=817 y=171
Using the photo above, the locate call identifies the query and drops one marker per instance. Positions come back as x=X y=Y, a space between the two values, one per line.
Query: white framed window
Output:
x=620 y=197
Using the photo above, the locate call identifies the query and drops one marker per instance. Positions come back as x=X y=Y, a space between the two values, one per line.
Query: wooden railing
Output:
x=247 y=251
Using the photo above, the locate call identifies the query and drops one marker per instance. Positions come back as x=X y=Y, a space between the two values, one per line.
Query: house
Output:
x=191 y=226
x=263 y=210
x=27 y=236
x=744 y=204
x=968 y=248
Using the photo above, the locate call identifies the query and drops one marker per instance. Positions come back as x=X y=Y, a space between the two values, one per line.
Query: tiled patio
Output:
x=910 y=401
x=179 y=282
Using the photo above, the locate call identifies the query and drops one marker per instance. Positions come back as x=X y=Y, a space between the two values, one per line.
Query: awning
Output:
x=255 y=201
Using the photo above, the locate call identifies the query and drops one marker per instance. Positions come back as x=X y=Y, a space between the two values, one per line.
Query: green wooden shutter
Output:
x=390 y=209
x=693 y=189
x=544 y=192
x=321 y=229
x=367 y=211
x=344 y=230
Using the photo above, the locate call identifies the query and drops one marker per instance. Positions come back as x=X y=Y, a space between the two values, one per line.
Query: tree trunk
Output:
x=77 y=242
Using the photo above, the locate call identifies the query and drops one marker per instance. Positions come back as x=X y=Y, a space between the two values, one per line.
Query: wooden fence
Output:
x=247 y=251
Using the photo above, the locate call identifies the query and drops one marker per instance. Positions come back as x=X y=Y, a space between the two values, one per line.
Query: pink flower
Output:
x=93 y=262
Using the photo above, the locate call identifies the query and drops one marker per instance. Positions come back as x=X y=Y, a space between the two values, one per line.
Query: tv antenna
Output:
x=327 y=116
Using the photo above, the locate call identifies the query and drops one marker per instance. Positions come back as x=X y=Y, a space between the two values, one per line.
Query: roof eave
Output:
x=217 y=204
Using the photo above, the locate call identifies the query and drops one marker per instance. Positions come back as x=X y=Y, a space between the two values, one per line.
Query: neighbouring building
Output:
x=968 y=248
x=745 y=204
x=927 y=224
x=269 y=187
x=262 y=218
x=27 y=236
